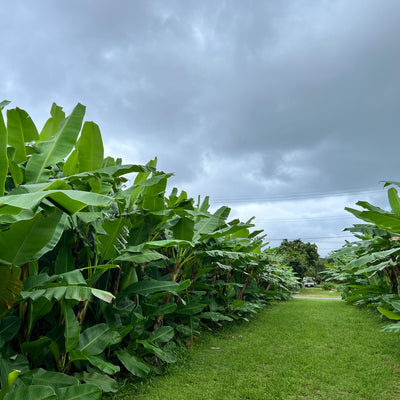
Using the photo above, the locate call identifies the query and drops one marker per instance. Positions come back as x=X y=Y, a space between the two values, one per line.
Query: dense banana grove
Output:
x=369 y=268
x=101 y=278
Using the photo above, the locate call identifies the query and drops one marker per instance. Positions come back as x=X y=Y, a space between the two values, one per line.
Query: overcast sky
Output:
x=286 y=110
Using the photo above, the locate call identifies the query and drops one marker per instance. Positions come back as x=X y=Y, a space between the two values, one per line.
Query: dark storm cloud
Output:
x=234 y=97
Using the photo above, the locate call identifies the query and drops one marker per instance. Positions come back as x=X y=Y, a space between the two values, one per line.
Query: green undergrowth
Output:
x=318 y=349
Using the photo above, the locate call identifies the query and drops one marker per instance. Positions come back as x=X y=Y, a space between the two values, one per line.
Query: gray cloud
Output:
x=235 y=98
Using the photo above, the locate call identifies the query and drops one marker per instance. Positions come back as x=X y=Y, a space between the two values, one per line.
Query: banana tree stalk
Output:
x=247 y=282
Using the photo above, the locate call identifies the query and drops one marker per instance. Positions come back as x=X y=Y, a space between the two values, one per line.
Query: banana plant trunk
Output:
x=167 y=297
x=245 y=285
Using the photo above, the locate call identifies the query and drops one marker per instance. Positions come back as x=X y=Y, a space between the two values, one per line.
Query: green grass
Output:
x=301 y=349
x=318 y=292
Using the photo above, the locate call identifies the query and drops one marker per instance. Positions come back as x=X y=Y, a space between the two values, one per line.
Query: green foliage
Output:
x=369 y=269
x=101 y=279
x=328 y=286
x=302 y=257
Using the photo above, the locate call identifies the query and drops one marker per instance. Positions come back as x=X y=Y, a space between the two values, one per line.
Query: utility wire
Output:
x=313 y=238
x=290 y=196
x=303 y=219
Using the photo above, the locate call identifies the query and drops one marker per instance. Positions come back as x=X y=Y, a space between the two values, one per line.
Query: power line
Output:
x=313 y=238
x=302 y=219
x=290 y=196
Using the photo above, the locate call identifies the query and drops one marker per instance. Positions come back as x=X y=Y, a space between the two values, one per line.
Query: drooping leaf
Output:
x=381 y=218
x=27 y=240
x=132 y=363
x=369 y=258
x=104 y=382
x=102 y=365
x=70 y=201
x=166 y=356
x=103 y=295
x=69 y=292
x=388 y=313
x=373 y=268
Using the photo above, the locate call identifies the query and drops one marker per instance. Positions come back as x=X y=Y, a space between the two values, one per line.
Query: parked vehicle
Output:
x=309 y=282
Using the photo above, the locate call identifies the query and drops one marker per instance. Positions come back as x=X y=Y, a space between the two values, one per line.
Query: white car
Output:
x=309 y=282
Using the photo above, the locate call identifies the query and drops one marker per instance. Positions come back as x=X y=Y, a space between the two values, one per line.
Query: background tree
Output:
x=302 y=257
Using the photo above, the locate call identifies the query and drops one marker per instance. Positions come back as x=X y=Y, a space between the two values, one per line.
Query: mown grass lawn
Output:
x=318 y=292
x=300 y=349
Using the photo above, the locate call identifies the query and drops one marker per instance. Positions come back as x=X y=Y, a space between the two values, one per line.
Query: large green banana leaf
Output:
x=379 y=217
x=70 y=201
x=20 y=129
x=104 y=382
x=86 y=391
x=34 y=392
x=53 y=151
x=394 y=201
x=24 y=240
x=132 y=363
x=90 y=148
x=95 y=339
x=51 y=126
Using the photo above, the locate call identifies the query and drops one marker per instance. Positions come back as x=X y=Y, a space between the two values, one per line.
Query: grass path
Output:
x=300 y=349
x=318 y=292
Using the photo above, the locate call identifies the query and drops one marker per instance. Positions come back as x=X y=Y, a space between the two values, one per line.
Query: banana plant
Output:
x=100 y=277
x=370 y=269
